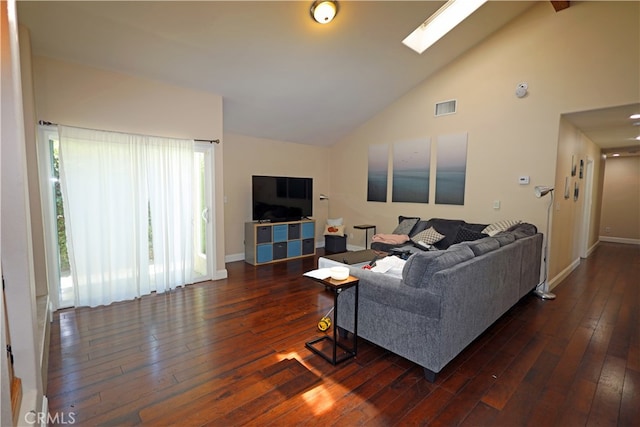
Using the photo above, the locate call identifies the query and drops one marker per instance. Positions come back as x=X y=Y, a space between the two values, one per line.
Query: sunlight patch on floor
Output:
x=320 y=398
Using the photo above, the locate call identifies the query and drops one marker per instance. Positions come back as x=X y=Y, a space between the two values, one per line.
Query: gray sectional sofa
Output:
x=445 y=298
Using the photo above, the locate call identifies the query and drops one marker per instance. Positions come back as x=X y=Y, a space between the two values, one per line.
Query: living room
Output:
x=572 y=62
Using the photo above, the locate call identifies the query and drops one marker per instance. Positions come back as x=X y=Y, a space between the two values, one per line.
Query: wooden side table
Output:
x=337 y=286
x=366 y=228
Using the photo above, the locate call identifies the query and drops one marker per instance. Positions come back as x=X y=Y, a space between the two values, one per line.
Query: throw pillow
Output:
x=466 y=234
x=428 y=236
x=405 y=226
x=334 y=230
x=496 y=227
x=334 y=221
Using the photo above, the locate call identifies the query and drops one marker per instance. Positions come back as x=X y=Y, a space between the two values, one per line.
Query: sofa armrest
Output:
x=391 y=291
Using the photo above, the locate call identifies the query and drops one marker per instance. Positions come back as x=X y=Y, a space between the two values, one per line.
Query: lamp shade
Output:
x=323 y=11
x=542 y=190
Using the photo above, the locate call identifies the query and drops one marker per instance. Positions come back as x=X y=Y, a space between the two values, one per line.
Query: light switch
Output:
x=523 y=180
x=496 y=204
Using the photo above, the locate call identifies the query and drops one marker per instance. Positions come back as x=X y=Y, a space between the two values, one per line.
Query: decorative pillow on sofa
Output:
x=466 y=234
x=496 y=227
x=405 y=226
x=421 y=225
x=447 y=227
x=428 y=236
x=334 y=230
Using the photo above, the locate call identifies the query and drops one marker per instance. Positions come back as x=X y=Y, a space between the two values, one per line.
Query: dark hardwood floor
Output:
x=232 y=352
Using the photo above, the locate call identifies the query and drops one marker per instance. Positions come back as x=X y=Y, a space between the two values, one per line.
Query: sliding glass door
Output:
x=57 y=256
x=58 y=265
x=203 y=215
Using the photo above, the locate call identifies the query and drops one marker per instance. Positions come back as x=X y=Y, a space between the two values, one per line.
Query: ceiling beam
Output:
x=560 y=5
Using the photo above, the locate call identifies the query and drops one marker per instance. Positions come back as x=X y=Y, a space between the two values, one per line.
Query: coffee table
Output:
x=353 y=258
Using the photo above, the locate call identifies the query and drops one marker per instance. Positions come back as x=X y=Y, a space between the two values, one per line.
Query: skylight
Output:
x=440 y=23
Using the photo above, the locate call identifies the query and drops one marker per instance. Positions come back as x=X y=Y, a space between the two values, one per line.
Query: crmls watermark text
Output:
x=46 y=418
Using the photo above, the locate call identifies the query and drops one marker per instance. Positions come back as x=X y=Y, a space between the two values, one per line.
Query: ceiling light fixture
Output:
x=440 y=23
x=323 y=11
x=634 y=116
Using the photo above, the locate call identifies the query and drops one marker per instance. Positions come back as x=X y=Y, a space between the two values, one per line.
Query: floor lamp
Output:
x=542 y=290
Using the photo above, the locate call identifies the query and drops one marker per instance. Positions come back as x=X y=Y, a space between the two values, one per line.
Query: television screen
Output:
x=279 y=198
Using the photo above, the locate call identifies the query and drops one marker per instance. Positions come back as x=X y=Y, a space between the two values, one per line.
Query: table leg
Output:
x=367 y=244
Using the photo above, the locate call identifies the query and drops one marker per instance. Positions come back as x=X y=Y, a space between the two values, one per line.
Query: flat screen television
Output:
x=280 y=198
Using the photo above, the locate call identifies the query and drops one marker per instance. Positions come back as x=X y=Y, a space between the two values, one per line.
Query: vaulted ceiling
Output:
x=282 y=76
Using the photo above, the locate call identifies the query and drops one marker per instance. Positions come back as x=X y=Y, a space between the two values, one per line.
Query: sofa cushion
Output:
x=448 y=227
x=419 y=227
x=422 y=265
x=405 y=225
x=482 y=246
x=523 y=230
x=475 y=227
x=467 y=234
x=428 y=236
x=504 y=238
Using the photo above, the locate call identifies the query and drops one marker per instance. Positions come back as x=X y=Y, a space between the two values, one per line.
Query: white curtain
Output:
x=111 y=183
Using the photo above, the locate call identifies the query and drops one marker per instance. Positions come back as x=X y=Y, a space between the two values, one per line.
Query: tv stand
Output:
x=266 y=243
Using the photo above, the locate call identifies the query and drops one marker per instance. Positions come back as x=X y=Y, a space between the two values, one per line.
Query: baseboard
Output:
x=593 y=248
x=234 y=257
x=620 y=240
x=221 y=274
x=563 y=274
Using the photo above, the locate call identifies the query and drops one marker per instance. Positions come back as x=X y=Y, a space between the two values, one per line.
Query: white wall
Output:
x=246 y=156
x=77 y=95
x=571 y=60
x=15 y=226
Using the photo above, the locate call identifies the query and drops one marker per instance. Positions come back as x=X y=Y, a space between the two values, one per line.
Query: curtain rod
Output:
x=210 y=141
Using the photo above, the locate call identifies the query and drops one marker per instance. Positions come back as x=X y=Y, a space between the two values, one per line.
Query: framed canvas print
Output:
x=411 y=170
x=377 y=173
x=451 y=169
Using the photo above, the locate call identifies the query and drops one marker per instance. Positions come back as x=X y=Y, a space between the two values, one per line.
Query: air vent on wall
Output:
x=446 y=107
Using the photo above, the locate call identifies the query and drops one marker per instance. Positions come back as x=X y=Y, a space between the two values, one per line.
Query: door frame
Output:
x=586 y=208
